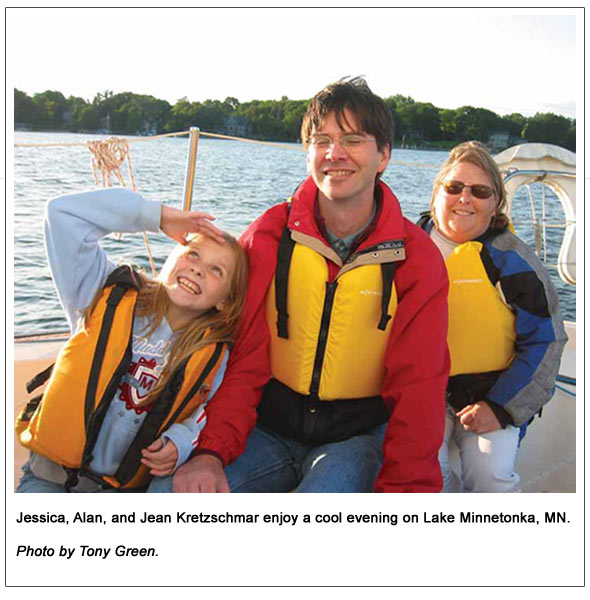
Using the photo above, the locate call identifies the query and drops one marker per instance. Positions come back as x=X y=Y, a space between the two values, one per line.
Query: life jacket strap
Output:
x=113 y=300
x=387 y=273
x=39 y=379
x=30 y=408
x=285 y=254
x=423 y=219
x=123 y=278
x=160 y=415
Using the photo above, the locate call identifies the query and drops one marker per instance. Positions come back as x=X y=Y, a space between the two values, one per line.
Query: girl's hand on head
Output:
x=160 y=457
x=176 y=224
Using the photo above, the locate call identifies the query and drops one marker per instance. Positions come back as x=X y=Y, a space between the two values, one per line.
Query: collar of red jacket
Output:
x=389 y=225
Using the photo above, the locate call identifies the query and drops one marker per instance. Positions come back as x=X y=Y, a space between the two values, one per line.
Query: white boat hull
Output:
x=546 y=460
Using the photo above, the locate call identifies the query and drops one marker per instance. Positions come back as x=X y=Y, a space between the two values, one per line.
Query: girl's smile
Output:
x=198 y=279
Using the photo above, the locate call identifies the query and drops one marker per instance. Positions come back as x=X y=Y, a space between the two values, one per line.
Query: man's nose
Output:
x=336 y=151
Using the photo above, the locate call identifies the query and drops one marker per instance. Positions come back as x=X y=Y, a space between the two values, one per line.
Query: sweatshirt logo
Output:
x=138 y=382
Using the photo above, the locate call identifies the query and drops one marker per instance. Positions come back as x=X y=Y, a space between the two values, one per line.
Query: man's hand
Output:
x=202 y=474
x=479 y=418
x=160 y=457
x=176 y=224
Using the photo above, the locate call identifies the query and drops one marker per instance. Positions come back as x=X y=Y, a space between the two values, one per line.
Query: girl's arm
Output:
x=74 y=224
x=185 y=435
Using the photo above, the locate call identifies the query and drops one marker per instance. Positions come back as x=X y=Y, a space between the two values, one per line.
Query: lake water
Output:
x=235 y=181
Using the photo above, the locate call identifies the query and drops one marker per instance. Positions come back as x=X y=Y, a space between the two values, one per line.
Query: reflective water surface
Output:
x=235 y=181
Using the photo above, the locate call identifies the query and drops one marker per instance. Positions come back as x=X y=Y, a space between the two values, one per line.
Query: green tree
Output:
x=570 y=138
x=52 y=106
x=420 y=120
x=293 y=116
x=76 y=105
x=233 y=103
x=181 y=116
x=89 y=118
x=548 y=128
x=25 y=110
x=399 y=100
x=448 y=123
x=514 y=124
x=475 y=123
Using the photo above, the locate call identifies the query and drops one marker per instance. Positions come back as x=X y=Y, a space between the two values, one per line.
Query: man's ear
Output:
x=385 y=156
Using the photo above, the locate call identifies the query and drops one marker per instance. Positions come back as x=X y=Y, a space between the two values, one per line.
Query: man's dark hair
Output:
x=353 y=94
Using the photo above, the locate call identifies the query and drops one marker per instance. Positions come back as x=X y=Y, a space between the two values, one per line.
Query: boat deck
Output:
x=546 y=460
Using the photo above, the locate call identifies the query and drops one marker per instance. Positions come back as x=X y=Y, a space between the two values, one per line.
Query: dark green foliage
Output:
x=416 y=123
x=551 y=129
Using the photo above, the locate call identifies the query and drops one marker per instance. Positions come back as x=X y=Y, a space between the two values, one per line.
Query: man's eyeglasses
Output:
x=349 y=141
x=454 y=186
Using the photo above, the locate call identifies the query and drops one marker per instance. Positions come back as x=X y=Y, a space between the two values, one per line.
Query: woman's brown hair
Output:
x=476 y=154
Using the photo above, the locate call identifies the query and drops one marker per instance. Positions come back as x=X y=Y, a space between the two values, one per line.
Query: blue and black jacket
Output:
x=519 y=392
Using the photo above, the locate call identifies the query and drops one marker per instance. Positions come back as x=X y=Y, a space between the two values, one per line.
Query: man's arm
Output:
x=417 y=367
x=231 y=413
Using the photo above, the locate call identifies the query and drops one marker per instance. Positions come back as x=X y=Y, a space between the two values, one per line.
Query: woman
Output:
x=505 y=335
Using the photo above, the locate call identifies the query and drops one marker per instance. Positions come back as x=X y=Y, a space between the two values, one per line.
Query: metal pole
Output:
x=544 y=223
x=189 y=177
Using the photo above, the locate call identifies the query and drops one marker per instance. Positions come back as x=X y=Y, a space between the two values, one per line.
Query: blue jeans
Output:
x=271 y=463
x=31 y=484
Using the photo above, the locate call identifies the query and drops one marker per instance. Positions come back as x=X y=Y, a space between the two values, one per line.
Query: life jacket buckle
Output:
x=72 y=480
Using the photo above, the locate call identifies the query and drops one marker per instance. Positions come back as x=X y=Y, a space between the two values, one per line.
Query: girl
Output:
x=127 y=395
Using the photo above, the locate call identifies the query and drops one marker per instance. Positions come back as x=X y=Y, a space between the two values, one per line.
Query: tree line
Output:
x=417 y=124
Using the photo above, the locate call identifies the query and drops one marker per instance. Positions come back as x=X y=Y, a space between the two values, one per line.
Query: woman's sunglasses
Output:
x=479 y=190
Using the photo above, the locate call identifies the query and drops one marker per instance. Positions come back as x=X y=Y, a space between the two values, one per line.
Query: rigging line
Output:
x=212 y=135
x=566 y=379
x=85 y=144
x=565 y=391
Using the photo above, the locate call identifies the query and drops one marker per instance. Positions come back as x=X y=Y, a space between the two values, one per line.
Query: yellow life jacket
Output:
x=333 y=345
x=64 y=423
x=482 y=331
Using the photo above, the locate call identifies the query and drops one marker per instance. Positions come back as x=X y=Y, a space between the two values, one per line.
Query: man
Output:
x=348 y=301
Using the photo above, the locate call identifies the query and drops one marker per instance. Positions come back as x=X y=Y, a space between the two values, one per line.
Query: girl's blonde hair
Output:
x=476 y=154
x=219 y=325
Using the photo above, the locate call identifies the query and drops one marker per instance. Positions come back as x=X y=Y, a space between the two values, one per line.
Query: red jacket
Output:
x=417 y=362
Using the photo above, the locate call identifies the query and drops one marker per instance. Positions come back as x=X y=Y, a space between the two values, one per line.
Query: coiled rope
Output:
x=107 y=158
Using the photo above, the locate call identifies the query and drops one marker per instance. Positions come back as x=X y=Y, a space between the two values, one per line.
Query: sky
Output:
x=501 y=59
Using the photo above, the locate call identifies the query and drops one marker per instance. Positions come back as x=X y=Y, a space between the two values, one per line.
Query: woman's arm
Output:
x=529 y=382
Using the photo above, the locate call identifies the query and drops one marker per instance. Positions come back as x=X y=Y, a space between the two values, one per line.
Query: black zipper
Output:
x=322 y=338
